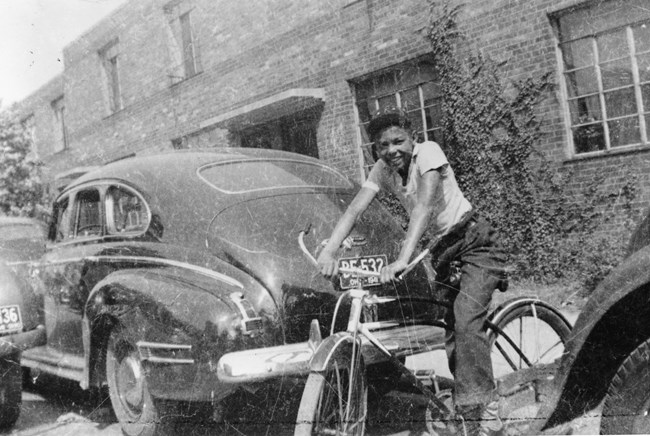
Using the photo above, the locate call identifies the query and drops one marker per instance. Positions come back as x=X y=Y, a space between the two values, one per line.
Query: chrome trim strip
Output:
x=163 y=346
x=154 y=260
x=246 y=191
x=153 y=359
x=145 y=349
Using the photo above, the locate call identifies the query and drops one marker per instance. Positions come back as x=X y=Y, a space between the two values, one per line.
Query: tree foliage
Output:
x=21 y=186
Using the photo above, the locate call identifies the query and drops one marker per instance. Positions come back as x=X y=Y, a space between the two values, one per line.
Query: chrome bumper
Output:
x=296 y=359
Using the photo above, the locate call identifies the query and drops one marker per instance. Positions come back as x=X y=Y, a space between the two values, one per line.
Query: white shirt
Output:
x=449 y=204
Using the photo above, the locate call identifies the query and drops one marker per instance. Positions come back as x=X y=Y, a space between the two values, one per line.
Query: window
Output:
x=60 y=227
x=109 y=59
x=182 y=41
x=606 y=69
x=411 y=86
x=60 y=132
x=88 y=219
x=126 y=212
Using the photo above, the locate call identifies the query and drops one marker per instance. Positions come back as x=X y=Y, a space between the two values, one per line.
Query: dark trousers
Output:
x=482 y=268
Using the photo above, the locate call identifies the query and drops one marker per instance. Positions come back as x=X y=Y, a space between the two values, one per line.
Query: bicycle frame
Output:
x=375 y=340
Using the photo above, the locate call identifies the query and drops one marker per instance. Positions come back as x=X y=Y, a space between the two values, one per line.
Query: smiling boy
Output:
x=420 y=176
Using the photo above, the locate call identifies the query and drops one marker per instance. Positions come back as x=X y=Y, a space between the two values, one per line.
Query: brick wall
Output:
x=250 y=53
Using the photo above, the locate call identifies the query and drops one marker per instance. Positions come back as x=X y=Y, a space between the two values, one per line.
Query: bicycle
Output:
x=335 y=397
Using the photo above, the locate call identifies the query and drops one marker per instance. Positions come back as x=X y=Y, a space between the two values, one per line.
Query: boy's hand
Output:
x=329 y=265
x=389 y=273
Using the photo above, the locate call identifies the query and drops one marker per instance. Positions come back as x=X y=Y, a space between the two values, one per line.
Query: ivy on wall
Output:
x=491 y=132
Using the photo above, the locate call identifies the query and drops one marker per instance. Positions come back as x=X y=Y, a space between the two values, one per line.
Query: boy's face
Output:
x=394 y=145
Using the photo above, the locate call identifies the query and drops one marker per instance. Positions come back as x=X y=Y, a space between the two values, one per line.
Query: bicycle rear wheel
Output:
x=335 y=401
x=537 y=329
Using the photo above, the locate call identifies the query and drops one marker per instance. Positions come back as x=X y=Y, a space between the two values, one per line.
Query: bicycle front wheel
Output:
x=335 y=401
x=530 y=333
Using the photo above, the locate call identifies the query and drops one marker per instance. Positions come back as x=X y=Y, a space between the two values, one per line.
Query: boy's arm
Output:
x=418 y=222
x=326 y=260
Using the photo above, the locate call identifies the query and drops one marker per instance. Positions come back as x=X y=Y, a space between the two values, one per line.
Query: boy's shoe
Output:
x=481 y=420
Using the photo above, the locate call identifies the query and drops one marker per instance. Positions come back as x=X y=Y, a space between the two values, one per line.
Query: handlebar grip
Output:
x=358 y=272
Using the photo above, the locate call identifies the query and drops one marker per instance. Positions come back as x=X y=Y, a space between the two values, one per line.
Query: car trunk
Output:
x=260 y=236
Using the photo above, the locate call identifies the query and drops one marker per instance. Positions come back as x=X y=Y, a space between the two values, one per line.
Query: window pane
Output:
x=612 y=45
x=364 y=110
x=431 y=91
x=585 y=110
x=62 y=221
x=364 y=90
x=407 y=77
x=388 y=101
x=619 y=103
x=416 y=120
x=410 y=98
x=129 y=213
x=385 y=84
x=582 y=82
x=188 y=45
x=578 y=53
x=433 y=116
x=616 y=73
x=642 y=38
x=436 y=135
x=643 y=61
x=588 y=138
x=624 y=131
x=88 y=215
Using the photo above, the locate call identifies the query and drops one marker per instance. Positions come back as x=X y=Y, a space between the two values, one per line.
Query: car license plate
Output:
x=10 y=320
x=366 y=263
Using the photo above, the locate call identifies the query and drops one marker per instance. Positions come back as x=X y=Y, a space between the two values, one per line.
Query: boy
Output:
x=419 y=175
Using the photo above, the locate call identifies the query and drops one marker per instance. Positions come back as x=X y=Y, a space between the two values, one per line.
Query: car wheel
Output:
x=627 y=403
x=11 y=378
x=132 y=403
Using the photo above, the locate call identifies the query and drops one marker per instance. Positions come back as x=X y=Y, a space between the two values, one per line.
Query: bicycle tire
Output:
x=551 y=332
x=329 y=388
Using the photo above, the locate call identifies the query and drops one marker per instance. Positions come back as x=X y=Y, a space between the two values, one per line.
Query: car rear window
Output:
x=255 y=175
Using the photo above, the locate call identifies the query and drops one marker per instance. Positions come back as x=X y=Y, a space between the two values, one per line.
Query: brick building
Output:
x=304 y=75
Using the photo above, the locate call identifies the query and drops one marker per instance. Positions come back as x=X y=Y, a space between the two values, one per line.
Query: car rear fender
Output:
x=612 y=324
x=157 y=307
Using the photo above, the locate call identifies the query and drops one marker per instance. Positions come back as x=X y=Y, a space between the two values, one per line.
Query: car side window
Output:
x=88 y=218
x=60 y=229
x=126 y=211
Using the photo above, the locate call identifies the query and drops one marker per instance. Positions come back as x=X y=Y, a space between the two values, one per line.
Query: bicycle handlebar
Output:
x=357 y=271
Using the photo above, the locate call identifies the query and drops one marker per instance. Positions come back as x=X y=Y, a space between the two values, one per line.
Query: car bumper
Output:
x=296 y=359
x=17 y=342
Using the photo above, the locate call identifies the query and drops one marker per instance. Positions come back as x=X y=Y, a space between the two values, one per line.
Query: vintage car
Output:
x=156 y=266
x=608 y=354
x=21 y=322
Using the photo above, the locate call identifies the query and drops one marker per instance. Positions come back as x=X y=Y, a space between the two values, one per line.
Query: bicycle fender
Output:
x=506 y=307
x=329 y=348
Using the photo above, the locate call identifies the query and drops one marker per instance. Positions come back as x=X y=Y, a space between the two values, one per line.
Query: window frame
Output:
x=396 y=92
x=640 y=112
x=110 y=64
x=182 y=41
x=58 y=108
x=111 y=229
x=76 y=214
